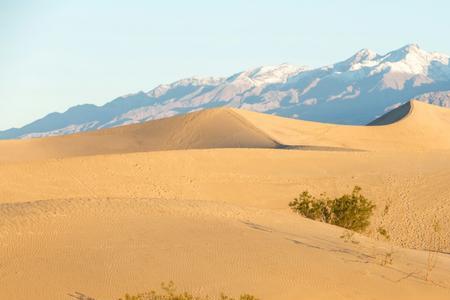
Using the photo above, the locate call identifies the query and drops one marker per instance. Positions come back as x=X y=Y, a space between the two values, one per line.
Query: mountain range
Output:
x=353 y=92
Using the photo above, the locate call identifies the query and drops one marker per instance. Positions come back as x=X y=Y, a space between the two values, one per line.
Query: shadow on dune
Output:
x=318 y=148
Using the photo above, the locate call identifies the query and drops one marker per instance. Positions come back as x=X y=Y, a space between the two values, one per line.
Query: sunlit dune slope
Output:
x=412 y=127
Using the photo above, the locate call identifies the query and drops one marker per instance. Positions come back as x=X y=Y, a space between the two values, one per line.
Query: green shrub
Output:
x=311 y=207
x=351 y=211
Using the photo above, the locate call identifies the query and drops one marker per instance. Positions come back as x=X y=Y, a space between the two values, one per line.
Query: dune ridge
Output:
x=395 y=115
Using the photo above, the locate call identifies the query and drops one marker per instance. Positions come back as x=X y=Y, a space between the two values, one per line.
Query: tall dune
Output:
x=216 y=128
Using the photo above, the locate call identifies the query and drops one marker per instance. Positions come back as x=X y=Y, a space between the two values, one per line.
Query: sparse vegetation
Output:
x=381 y=230
x=169 y=292
x=350 y=211
x=436 y=242
x=384 y=233
x=387 y=257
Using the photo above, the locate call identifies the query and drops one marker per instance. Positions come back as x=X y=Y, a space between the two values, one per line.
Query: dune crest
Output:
x=395 y=115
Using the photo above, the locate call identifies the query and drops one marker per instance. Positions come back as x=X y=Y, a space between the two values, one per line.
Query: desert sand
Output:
x=201 y=199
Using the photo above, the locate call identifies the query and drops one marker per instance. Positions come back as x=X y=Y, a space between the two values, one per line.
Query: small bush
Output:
x=350 y=211
x=312 y=207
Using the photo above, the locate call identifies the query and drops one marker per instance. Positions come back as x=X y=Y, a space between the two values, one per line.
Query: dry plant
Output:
x=387 y=257
x=436 y=244
x=384 y=233
x=381 y=230
x=170 y=293
x=349 y=237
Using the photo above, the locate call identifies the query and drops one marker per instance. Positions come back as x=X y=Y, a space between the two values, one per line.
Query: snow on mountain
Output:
x=353 y=91
x=268 y=75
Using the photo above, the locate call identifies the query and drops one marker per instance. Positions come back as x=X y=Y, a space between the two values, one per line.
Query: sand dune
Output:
x=415 y=184
x=83 y=213
x=216 y=128
x=423 y=127
x=414 y=126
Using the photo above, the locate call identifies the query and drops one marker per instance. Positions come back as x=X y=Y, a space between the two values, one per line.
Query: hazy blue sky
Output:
x=55 y=54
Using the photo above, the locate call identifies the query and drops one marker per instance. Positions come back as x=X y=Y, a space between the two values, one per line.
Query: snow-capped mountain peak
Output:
x=413 y=52
x=268 y=74
x=362 y=56
x=413 y=60
x=362 y=59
